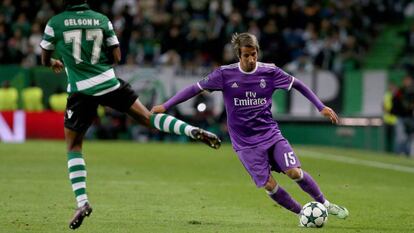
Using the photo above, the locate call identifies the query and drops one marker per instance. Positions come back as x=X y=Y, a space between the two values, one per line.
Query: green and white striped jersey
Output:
x=82 y=36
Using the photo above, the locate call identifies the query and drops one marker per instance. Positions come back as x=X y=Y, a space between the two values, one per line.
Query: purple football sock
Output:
x=308 y=184
x=284 y=199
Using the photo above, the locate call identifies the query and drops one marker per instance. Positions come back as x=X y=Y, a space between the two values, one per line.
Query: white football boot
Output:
x=339 y=211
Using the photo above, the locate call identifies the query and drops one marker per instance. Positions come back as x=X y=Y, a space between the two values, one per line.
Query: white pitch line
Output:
x=348 y=160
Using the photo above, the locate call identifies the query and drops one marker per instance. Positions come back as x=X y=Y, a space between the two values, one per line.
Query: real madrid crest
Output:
x=262 y=83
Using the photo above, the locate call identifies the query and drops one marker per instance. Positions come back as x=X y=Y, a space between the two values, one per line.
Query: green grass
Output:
x=190 y=188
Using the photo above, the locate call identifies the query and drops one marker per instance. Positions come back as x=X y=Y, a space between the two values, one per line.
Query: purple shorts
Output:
x=260 y=161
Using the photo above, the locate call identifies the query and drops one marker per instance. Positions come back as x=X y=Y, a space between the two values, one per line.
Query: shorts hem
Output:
x=75 y=129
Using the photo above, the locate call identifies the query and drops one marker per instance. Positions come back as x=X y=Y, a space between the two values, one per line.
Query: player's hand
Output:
x=158 y=109
x=330 y=114
x=57 y=66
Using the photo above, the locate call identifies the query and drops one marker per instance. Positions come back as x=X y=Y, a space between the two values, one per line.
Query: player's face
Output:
x=248 y=58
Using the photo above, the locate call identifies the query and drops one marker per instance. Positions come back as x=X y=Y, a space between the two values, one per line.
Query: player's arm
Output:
x=213 y=82
x=48 y=46
x=115 y=52
x=183 y=95
x=48 y=61
x=308 y=93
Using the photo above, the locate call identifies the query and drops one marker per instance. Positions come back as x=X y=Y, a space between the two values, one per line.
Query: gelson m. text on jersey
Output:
x=81 y=22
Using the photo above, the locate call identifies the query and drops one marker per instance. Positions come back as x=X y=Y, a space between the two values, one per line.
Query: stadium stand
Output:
x=198 y=30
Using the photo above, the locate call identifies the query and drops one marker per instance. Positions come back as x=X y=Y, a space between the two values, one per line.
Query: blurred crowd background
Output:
x=332 y=35
x=193 y=37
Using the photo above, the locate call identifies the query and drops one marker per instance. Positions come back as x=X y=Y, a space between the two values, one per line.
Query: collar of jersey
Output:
x=84 y=6
x=244 y=72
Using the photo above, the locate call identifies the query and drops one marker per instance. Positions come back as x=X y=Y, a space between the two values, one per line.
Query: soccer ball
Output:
x=313 y=214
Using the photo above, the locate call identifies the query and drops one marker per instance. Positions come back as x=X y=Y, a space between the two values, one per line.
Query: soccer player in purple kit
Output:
x=247 y=88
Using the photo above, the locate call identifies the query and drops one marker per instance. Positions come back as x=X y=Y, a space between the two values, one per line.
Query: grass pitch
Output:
x=191 y=188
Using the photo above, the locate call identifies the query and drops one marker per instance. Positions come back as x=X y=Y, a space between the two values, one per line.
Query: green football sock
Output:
x=170 y=124
x=77 y=176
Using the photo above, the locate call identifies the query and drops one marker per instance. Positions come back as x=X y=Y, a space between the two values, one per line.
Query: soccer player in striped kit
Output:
x=88 y=47
x=247 y=88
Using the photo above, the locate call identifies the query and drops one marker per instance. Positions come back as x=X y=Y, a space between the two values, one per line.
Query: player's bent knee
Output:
x=294 y=173
x=270 y=184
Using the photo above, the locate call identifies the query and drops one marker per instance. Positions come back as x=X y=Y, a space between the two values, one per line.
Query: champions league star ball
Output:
x=313 y=214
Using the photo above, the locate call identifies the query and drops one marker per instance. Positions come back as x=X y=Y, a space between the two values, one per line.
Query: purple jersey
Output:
x=248 y=101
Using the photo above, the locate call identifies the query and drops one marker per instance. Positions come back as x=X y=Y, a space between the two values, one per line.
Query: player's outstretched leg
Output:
x=79 y=215
x=77 y=176
x=309 y=185
x=279 y=195
x=170 y=124
x=206 y=137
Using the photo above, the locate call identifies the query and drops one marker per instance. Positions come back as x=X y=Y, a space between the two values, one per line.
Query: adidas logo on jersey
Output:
x=234 y=85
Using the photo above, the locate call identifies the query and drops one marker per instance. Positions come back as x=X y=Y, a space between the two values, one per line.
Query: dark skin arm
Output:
x=116 y=54
x=48 y=61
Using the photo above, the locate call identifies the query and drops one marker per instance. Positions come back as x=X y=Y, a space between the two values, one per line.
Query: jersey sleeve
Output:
x=282 y=80
x=49 y=40
x=110 y=36
x=213 y=81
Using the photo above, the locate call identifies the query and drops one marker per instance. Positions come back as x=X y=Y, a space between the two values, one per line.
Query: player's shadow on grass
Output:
x=242 y=225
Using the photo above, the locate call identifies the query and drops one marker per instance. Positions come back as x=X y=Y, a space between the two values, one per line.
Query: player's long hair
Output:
x=244 y=40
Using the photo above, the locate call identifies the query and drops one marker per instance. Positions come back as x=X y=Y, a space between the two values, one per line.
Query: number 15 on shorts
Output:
x=289 y=159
